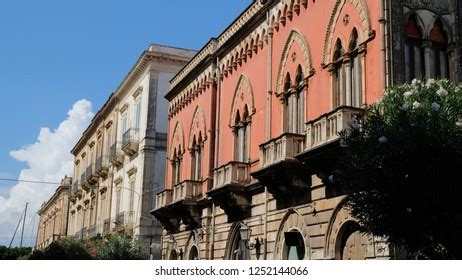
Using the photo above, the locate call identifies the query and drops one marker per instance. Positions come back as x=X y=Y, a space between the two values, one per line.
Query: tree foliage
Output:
x=115 y=247
x=119 y=247
x=13 y=253
x=400 y=167
x=63 y=249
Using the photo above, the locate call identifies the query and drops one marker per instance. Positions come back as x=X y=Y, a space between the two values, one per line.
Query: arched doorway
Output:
x=352 y=244
x=193 y=253
x=236 y=249
x=173 y=255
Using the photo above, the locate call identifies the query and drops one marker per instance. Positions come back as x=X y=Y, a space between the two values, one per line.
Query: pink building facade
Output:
x=254 y=117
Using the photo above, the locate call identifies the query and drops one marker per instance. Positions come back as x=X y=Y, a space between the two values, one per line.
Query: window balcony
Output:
x=116 y=156
x=130 y=141
x=325 y=129
x=92 y=176
x=179 y=205
x=91 y=232
x=229 y=192
x=323 y=141
x=124 y=222
x=284 y=147
x=187 y=190
x=102 y=166
x=106 y=227
x=83 y=182
x=164 y=198
x=283 y=174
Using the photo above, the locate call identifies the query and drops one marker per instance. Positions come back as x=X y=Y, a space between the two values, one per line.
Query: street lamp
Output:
x=245 y=233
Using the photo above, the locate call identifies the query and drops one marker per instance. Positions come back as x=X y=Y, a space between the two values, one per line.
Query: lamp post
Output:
x=245 y=234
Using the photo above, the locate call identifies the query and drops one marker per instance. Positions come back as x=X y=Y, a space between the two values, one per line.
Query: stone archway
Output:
x=292 y=222
x=344 y=240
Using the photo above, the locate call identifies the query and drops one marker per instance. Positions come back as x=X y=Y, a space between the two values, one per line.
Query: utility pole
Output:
x=23 y=222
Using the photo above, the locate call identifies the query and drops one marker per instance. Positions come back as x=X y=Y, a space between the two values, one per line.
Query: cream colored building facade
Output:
x=120 y=158
x=53 y=215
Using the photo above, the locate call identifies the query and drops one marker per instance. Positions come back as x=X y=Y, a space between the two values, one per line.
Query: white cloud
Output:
x=48 y=160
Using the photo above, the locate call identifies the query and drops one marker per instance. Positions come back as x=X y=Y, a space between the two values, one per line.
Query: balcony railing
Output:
x=124 y=220
x=91 y=233
x=236 y=173
x=106 y=226
x=326 y=128
x=102 y=166
x=92 y=177
x=75 y=186
x=130 y=141
x=116 y=155
x=287 y=145
x=187 y=190
x=164 y=198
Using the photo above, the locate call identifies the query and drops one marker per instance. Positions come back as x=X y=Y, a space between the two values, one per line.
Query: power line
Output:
x=28 y=181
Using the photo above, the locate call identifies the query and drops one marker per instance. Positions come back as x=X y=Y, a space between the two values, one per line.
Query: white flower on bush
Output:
x=407 y=93
x=442 y=92
x=416 y=105
x=331 y=178
x=385 y=92
x=430 y=82
x=383 y=140
x=457 y=89
x=436 y=106
x=414 y=82
x=404 y=107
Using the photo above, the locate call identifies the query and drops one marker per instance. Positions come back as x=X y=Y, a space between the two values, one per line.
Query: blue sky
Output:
x=54 y=53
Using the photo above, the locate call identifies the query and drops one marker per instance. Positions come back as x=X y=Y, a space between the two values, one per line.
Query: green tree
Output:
x=13 y=253
x=63 y=249
x=119 y=247
x=400 y=168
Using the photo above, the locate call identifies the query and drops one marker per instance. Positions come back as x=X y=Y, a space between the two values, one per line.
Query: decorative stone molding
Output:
x=137 y=92
x=197 y=126
x=123 y=108
x=365 y=31
x=243 y=95
x=295 y=37
x=132 y=171
x=177 y=140
x=118 y=180
x=292 y=221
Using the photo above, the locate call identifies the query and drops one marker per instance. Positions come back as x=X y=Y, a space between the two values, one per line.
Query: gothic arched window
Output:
x=242 y=135
x=439 y=45
x=354 y=91
x=176 y=166
x=339 y=75
x=196 y=158
x=413 y=53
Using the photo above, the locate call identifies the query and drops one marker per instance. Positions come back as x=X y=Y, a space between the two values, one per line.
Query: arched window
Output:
x=352 y=244
x=339 y=75
x=237 y=249
x=194 y=253
x=413 y=53
x=300 y=101
x=176 y=167
x=347 y=73
x=294 y=246
x=294 y=102
x=439 y=42
x=242 y=135
x=196 y=158
x=355 y=98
